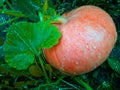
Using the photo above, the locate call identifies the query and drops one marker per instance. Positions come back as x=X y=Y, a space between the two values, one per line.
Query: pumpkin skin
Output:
x=88 y=36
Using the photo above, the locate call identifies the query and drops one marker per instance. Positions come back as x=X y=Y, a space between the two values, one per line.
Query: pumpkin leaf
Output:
x=28 y=7
x=114 y=59
x=34 y=71
x=114 y=64
x=25 y=40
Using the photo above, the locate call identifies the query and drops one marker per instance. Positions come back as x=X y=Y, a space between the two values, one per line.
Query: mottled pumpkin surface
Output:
x=87 y=39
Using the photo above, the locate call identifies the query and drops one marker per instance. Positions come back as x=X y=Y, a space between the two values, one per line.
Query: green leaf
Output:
x=1 y=2
x=114 y=64
x=36 y=4
x=47 y=12
x=45 y=5
x=50 y=13
x=25 y=40
x=114 y=59
x=28 y=7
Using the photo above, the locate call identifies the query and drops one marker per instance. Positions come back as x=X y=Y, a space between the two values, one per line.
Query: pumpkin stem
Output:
x=59 y=20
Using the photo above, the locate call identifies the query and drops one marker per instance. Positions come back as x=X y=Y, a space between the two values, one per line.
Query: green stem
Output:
x=36 y=62
x=59 y=20
x=85 y=85
x=43 y=68
x=70 y=84
x=40 y=16
x=9 y=4
x=9 y=21
x=12 y=13
x=59 y=79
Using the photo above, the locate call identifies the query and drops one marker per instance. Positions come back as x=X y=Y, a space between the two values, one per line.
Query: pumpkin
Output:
x=88 y=36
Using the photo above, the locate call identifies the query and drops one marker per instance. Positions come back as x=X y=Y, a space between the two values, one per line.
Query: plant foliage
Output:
x=25 y=28
x=25 y=40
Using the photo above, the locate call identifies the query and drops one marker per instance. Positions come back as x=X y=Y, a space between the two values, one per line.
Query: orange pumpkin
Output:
x=88 y=36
